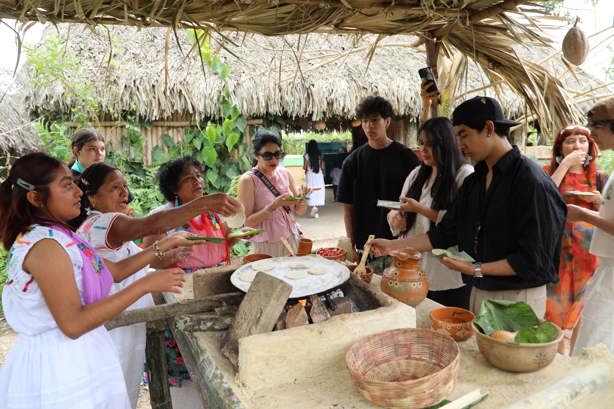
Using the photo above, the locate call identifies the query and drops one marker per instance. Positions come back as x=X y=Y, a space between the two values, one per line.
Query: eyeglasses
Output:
x=270 y=155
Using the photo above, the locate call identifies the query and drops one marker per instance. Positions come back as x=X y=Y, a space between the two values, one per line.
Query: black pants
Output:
x=456 y=297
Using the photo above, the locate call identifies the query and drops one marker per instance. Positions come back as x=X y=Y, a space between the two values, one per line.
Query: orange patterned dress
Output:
x=566 y=298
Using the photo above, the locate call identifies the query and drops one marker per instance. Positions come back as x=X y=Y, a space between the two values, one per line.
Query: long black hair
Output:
x=314 y=155
x=439 y=134
x=89 y=182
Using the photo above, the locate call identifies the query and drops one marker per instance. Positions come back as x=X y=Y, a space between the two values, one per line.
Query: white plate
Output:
x=236 y=220
x=389 y=204
x=336 y=274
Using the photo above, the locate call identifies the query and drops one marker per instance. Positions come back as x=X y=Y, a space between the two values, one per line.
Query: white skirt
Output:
x=316 y=180
x=597 y=321
x=52 y=371
x=130 y=344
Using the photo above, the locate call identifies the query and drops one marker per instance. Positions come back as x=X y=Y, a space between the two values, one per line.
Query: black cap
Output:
x=476 y=111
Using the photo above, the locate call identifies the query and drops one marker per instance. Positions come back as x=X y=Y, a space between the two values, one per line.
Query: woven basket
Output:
x=404 y=368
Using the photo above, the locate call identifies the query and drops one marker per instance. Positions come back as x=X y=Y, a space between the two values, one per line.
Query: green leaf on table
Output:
x=505 y=315
x=538 y=334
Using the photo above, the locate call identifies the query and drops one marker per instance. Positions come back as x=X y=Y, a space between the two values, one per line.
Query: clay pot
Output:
x=404 y=279
x=332 y=253
x=304 y=247
x=254 y=257
x=366 y=277
x=453 y=321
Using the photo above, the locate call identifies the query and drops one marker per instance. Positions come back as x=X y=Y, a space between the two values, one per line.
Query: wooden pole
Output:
x=159 y=391
x=432 y=53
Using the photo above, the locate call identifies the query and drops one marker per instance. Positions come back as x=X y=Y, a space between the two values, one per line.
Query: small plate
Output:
x=244 y=233
x=389 y=204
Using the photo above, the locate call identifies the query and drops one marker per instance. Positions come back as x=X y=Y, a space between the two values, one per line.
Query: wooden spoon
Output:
x=288 y=246
x=360 y=268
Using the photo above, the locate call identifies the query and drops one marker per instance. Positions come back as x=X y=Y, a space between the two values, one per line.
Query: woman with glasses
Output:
x=427 y=193
x=270 y=198
x=573 y=169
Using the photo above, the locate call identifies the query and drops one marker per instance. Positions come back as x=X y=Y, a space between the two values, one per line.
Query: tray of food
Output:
x=306 y=274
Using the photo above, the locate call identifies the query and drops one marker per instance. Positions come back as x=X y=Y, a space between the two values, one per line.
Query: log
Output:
x=211 y=281
x=166 y=311
x=296 y=316
x=560 y=394
x=318 y=311
x=203 y=322
x=159 y=391
x=258 y=312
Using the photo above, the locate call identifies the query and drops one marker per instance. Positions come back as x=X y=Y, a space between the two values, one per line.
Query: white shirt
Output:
x=603 y=242
x=440 y=277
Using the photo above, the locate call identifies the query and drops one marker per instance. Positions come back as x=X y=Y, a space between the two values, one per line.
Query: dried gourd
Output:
x=575 y=45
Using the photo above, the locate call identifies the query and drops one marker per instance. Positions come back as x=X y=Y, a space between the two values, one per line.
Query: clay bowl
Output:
x=332 y=253
x=254 y=257
x=456 y=322
x=366 y=277
x=517 y=357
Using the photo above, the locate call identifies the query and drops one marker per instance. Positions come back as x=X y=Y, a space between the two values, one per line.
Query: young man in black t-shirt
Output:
x=375 y=171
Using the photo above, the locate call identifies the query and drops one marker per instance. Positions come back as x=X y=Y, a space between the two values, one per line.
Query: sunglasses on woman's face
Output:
x=270 y=155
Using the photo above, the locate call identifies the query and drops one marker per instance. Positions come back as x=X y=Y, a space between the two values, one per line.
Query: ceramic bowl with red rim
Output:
x=453 y=321
x=332 y=253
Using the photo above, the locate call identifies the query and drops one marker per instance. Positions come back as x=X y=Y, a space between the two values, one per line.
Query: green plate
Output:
x=208 y=239
x=244 y=234
x=295 y=198
x=453 y=253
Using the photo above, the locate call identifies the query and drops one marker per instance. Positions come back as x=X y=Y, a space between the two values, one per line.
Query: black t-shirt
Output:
x=520 y=218
x=369 y=175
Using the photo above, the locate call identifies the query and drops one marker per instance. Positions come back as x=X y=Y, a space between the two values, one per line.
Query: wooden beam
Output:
x=209 y=321
x=159 y=391
x=211 y=281
x=161 y=312
x=257 y=313
x=432 y=54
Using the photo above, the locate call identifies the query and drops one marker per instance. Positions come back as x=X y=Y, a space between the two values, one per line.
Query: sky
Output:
x=593 y=19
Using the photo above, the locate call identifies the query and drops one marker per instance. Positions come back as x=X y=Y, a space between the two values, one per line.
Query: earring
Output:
x=176 y=201
x=558 y=159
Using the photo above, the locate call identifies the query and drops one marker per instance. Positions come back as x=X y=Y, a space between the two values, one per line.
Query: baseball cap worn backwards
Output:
x=476 y=111
x=602 y=110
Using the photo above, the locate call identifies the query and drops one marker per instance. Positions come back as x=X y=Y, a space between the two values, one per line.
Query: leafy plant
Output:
x=294 y=143
x=55 y=139
x=3 y=273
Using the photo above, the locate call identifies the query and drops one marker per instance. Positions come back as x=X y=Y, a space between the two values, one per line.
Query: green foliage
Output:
x=606 y=161
x=294 y=143
x=54 y=65
x=55 y=139
x=3 y=273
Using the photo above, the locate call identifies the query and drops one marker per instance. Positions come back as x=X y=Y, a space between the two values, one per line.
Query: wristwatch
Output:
x=477 y=270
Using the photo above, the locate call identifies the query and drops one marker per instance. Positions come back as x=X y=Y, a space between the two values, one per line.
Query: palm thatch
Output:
x=314 y=76
x=483 y=30
x=17 y=135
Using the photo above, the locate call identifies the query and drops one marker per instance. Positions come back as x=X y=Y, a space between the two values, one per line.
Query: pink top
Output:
x=203 y=255
x=280 y=224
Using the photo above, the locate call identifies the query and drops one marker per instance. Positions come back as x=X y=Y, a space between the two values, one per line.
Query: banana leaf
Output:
x=544 y=332
x=511 y=316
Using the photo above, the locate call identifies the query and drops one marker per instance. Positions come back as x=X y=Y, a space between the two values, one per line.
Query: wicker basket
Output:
x=404 y=368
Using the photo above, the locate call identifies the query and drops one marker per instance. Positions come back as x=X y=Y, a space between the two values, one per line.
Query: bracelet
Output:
x=156 y=251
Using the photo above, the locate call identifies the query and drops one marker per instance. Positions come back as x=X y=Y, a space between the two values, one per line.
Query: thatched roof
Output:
x=16 y=132
x=314 y=76
x=483 y=30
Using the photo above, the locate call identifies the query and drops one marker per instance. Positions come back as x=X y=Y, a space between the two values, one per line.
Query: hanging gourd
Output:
x=575 y=45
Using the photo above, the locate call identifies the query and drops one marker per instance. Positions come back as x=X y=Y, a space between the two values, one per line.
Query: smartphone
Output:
x=426 y=74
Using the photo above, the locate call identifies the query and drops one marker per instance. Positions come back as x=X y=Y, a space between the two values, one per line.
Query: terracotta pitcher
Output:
x=404 y=279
